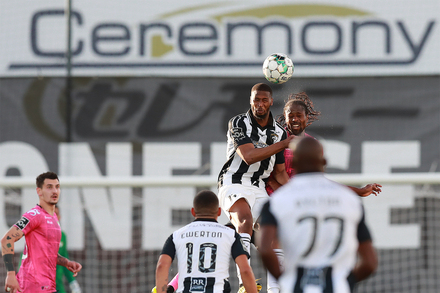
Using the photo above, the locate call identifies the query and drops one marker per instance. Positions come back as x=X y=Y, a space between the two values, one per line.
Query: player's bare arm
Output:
x=280 y=174
x=273 y=183
x=265 y=248
x=162 y=271
x=72 y=266
x=367 y=261
x=247 y=274
x=250 y=154
x=368 y=189
x=14 y=234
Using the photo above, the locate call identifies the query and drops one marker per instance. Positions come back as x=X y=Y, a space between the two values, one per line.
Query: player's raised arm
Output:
x=368 y=189
x=250 y=154
x=8 y=241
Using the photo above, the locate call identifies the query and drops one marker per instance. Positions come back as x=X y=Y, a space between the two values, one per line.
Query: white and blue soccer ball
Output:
x=278 y=68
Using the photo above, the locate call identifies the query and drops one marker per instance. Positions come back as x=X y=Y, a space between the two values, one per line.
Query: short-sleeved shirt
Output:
x=243 y=129
x=38 y=267
x=320 y=225
x=204 y=249
x=288 y=158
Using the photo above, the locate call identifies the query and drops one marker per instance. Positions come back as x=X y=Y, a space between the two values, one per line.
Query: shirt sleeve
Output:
x=279 y=157
x=237 y=132
x=237 y=248
x=28 y=222
x=363 y=234
x=267 y=218
x=169 y=248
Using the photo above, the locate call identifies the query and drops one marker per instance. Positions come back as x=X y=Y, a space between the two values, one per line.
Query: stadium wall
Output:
x=171 y=127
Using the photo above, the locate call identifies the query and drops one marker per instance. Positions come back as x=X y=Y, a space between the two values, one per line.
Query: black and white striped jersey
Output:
x=204 y=249
x=243 y=129
x=320 y=225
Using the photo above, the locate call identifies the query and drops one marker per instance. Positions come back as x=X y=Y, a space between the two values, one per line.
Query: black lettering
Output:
x=233 y=26
x=331 y=24
x=100 y=37
x=143 y=30
x=357 y=25
x=416 y=49
x=185 y=36
x=202 y=233
x=34 y=33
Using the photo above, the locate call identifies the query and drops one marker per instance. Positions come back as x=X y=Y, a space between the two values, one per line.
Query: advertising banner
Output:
x=220 y=38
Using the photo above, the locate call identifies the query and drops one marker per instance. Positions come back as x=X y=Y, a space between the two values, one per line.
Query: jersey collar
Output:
x=205 y=220
x=270 y=122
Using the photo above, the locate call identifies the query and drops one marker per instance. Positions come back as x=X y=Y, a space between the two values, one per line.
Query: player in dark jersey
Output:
x=203 y=249
x=43 y=234
x=321 y=226
x=255 y=148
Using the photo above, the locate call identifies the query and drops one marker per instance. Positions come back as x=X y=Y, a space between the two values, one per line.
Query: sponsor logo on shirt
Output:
x=49 y=222
x=22 y=223
x=274 y=136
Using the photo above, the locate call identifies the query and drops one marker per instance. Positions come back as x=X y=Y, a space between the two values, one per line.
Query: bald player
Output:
x=320 y=224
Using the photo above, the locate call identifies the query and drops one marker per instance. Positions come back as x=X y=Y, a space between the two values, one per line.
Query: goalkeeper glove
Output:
x=74 y=287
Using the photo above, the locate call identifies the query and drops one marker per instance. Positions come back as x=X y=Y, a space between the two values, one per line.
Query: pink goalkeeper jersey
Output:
x=43 y=235
x=288 y=157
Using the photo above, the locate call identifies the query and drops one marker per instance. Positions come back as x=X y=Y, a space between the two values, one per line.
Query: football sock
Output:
x=272 y=284
x=246 y=240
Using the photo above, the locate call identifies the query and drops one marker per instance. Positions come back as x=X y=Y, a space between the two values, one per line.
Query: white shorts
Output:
x=254 y=196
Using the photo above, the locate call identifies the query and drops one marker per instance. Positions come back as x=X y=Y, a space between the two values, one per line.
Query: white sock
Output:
x=246 y=240
x=272 y=283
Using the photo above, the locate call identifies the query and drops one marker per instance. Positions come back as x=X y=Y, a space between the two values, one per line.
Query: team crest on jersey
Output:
x=274 y=136
x=34 y=212
x=237 y=133
x=22 y=223
x=198 y=285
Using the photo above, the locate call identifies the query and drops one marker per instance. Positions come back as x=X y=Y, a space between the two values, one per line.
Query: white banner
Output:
x=220 y=39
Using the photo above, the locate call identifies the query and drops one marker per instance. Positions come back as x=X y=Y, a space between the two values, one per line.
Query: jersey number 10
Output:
x=203 y=249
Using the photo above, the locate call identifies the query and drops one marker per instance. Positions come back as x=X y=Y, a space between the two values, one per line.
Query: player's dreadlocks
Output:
x=303 y=100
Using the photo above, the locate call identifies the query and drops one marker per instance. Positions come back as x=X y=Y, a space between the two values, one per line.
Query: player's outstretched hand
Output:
x=368 y=189
x=11 y=283
x=74 y=267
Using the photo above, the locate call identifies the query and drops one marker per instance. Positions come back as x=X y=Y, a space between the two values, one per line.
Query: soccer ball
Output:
x=278 y=68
